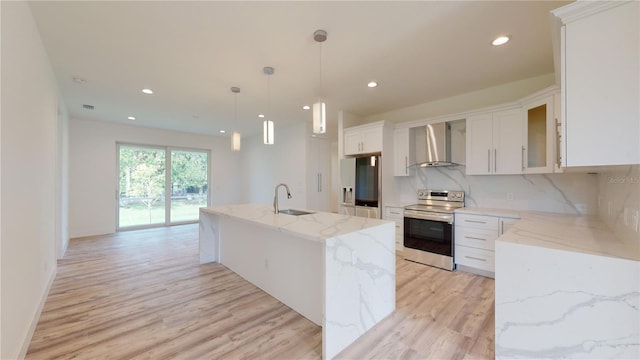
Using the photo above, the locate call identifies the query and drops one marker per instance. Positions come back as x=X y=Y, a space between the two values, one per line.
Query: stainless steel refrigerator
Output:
x=360 y=193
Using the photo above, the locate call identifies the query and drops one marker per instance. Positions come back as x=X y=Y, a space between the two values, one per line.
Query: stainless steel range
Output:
x=428 y=227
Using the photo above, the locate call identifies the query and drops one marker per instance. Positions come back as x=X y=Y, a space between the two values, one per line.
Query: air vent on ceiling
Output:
x=88 y=107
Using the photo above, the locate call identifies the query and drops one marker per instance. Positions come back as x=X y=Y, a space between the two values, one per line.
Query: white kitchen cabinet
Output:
x=396 y=214
x=539 y=136
x=403 y=155
x=318 y=172
x=363 y=139
x=494 y=143
x=475 y=237
x=600 y=68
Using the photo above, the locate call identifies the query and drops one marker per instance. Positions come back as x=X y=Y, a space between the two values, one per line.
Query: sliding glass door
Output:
x=160 y=186
x=188 y=184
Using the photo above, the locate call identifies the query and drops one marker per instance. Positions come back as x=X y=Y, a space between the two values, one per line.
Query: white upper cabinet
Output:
x=495 y=142
x=363 y=139
x=539 y=145
x=402 y=151
x=600 y=65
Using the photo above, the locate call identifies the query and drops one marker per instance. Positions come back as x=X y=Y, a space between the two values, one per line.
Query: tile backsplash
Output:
x=618 y=201
x=570 y=193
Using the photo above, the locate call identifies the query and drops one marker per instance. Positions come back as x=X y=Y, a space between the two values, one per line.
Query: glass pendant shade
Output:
x=319 y=118
x=235 y=141
x=235 y=136
x=268 y=132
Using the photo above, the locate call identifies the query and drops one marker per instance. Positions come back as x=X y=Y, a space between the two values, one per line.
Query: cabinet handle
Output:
x=475 y=238
x=475 y=221
x=395 y=213
x=488 y=160
x=475 y=258
x=319 y=182
x=558 y=137
x=495 y=160
x=523 y=150
x=501 y=227
x=406 y=165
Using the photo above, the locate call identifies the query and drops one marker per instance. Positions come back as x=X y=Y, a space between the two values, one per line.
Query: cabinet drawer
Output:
x=477 y=221
x=393 y=213
x=476 y=238
x=475 y=258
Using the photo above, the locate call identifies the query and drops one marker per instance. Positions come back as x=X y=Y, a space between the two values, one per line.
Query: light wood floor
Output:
x=142 y=294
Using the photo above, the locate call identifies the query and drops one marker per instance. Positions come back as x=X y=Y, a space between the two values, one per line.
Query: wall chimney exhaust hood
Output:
x=438 y=146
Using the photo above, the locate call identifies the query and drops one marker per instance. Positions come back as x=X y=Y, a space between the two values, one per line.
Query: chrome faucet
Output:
x=275 y=196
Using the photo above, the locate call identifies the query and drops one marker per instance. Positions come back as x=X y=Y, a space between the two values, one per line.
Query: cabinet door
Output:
x=539 y=136
x=352 y=142
x=479 y=144
x=318 y=164
x=601 y=71
x=506 y=223
x=401 y=150
x=372 y=140
x=508 y=131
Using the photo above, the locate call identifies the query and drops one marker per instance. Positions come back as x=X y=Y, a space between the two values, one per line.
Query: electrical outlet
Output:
x=509 y=196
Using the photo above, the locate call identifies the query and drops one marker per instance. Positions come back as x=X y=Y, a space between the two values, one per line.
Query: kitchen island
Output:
x=337 y=271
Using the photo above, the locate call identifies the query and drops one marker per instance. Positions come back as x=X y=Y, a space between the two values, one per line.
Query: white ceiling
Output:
x=192 y=53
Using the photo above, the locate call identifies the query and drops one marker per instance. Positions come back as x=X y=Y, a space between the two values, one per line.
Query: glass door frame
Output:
x=167 y=184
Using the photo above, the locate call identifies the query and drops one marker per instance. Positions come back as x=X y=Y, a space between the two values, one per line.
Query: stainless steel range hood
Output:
x=438 y=146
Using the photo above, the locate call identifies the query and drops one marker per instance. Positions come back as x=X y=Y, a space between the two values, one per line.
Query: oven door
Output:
x=434 y=236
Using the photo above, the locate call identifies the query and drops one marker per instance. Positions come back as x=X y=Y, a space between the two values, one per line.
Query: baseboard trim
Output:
x=36 y=318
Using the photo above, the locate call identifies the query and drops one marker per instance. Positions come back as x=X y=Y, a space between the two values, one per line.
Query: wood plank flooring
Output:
x=142 y=294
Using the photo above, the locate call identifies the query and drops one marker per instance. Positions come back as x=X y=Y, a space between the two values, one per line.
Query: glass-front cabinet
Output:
x=538 y=149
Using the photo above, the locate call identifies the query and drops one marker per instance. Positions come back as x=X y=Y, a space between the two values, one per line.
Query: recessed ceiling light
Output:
x=131 y=118
x=372 y=84
x=306 y=107
x=500 y=40
x=260 y=115
x=222 y=131
x=147 y=91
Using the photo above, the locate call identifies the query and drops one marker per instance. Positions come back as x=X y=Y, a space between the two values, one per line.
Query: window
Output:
x=147 y=172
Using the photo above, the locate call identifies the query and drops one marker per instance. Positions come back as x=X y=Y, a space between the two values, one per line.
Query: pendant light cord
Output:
x=320 y=72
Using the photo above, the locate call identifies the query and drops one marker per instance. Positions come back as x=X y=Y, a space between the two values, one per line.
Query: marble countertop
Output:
x=577 y=233
x=318 y=226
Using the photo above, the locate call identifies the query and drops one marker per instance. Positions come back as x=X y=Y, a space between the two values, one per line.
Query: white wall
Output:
x=93 y=169
x=265 y=166
x=30 y=143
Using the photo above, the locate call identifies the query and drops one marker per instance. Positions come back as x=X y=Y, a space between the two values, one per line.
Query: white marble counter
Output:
x=318 y=226
x=566 y=287
x=584 y=234
x=336 y=270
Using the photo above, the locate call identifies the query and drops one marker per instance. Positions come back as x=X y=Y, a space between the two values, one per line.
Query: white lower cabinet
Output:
x=396 y=214
x=475 y=237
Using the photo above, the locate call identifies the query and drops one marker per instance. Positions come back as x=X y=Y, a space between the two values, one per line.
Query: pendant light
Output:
x=235 y=136
x=267 y=125
x=319 y=112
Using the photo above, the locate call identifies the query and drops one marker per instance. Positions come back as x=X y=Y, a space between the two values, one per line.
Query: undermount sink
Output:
x=294 y=212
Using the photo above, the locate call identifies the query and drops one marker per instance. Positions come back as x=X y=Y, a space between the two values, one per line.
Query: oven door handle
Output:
x=422 y=215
